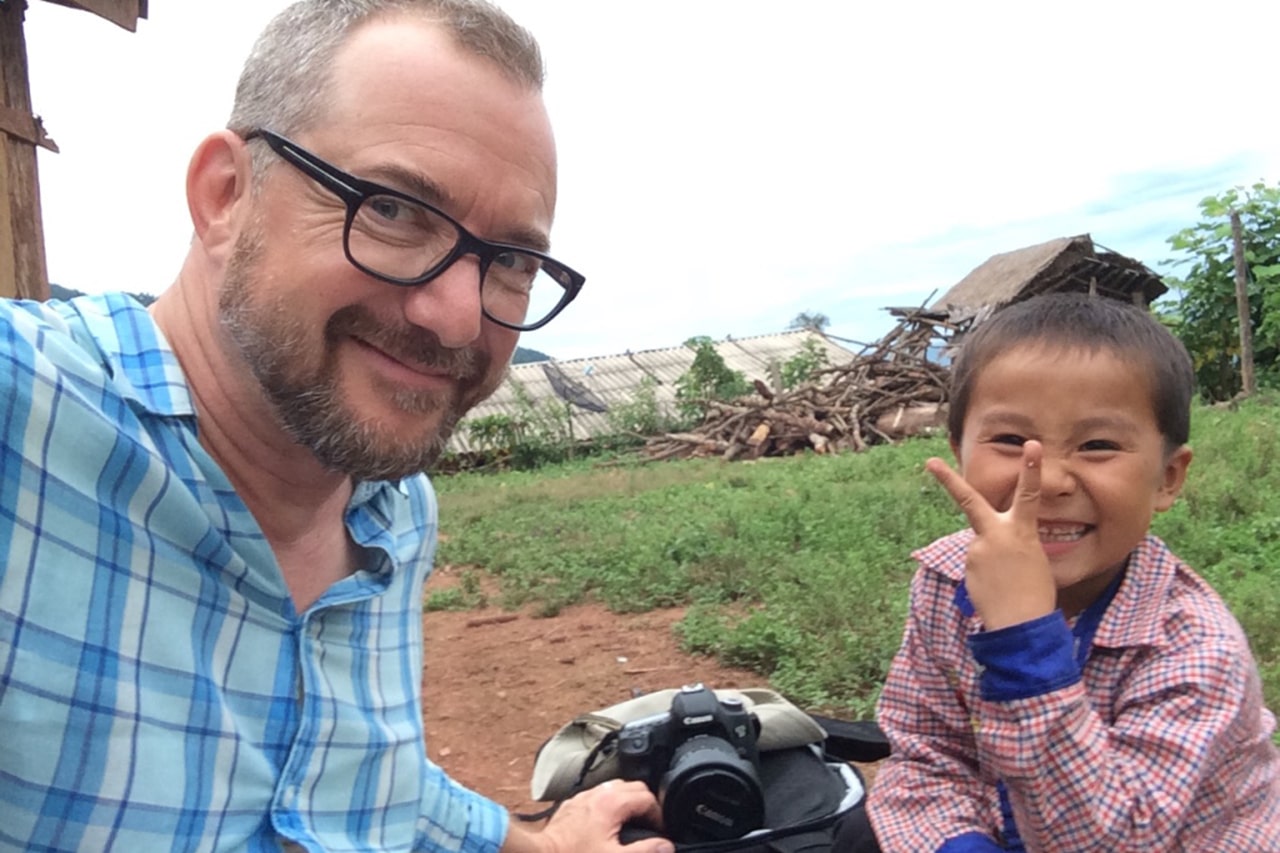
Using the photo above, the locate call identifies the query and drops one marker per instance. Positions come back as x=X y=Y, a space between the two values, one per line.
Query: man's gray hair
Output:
x=286 y=80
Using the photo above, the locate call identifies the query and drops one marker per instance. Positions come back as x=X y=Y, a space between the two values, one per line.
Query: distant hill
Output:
x=523 y=356
x=57 y=291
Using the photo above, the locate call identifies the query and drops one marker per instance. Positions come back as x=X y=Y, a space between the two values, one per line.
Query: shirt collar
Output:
x=1134 y=618
x=380 y=498
x=143 y=367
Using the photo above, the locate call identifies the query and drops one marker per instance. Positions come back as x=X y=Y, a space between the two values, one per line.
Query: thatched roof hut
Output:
x=1065 y=264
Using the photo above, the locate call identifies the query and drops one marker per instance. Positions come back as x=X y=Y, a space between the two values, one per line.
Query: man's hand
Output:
x=591 y=821
x=1006 y=572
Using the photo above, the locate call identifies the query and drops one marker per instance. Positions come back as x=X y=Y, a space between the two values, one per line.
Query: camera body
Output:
x=701 y=760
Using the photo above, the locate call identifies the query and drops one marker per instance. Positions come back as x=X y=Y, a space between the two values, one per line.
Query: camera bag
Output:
x=812 y=796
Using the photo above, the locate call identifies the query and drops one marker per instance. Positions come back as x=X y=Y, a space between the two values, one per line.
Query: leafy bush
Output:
x=495 y=432
x=535 y=436
x=804 y=364
x=642 y=416
x=707 y=379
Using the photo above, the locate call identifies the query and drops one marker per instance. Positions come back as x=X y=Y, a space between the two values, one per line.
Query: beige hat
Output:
x=560 y=760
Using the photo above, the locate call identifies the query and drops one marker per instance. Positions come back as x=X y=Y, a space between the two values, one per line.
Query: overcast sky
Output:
x=725 y=165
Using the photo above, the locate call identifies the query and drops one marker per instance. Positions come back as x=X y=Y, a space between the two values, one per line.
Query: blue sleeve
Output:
x=1027 y=659
x=455 y=818
x=971 y=842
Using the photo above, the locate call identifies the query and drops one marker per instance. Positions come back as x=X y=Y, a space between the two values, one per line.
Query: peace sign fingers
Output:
x=1026 y=501
x=1006 y=571
x=981 y=515
x=1026 y=498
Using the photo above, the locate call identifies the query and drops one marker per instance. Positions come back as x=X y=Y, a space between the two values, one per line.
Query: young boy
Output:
x=1064 y=682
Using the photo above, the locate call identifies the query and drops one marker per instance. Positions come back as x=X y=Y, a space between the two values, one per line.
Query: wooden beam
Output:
x=8 y=276
x=22 y=266
x=1249 y=385
x=122 y=13
x=25 y=127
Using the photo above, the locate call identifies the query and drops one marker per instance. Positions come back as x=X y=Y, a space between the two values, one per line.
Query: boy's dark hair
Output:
x=1079 y=321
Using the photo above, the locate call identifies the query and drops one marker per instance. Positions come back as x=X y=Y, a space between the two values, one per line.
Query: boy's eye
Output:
x=1009 y=439
x=1100 y=444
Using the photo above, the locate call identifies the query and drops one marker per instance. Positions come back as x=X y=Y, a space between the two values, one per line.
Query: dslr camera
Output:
x=701 y=760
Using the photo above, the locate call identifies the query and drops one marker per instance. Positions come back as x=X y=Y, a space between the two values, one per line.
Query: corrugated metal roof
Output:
x=614 y=379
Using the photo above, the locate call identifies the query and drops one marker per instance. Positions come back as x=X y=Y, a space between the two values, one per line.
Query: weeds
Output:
x=467 y=595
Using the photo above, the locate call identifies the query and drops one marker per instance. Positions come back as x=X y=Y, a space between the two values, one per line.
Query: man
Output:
x=213 y=528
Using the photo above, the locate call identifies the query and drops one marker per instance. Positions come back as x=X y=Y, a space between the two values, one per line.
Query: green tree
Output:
x=804 y=364
x=639 y=417
x=1205 y=316
x=815 y=320
x=707 y=379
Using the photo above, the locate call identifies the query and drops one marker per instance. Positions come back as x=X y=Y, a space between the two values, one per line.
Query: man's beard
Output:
x=302 y=384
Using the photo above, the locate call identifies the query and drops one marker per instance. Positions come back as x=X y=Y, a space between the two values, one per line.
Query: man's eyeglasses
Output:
x=405 y=241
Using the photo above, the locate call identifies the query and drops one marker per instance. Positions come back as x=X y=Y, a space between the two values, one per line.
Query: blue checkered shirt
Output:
x=158 y=690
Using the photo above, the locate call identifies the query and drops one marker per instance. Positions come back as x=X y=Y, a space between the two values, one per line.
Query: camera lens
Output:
x=709 y=792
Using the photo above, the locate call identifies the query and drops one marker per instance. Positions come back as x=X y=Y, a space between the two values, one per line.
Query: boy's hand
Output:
x=1006 y=572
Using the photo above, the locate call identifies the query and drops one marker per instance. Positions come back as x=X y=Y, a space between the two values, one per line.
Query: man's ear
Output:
x=218 y=190
x=1173 y=477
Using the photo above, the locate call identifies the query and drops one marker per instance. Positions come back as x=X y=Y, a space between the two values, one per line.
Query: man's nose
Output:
x=449 y=305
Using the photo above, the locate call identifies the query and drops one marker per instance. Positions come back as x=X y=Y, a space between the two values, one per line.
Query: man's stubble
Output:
x=299 y=374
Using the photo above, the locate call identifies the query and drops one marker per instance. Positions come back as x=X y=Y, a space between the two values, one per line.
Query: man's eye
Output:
x=517 y=262
x=387 y=208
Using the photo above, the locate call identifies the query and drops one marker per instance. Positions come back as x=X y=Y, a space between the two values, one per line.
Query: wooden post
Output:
x=1248 y=382
x=22 y=266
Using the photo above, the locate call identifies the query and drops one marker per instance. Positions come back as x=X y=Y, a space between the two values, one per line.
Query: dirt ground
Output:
x=498 y=683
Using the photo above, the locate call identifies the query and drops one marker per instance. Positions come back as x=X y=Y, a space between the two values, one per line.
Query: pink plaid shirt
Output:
x=1164 y=745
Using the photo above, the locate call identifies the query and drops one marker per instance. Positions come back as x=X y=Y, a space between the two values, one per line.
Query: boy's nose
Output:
x=1057 y=477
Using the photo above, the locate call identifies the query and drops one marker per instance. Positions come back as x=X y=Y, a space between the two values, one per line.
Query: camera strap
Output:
x=579 y=784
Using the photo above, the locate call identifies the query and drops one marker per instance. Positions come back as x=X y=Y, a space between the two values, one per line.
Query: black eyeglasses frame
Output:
x=354 y=191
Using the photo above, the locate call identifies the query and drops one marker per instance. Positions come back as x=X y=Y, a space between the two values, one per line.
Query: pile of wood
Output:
x=889 y=391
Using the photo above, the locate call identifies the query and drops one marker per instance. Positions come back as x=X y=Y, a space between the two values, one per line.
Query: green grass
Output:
x=798 y=567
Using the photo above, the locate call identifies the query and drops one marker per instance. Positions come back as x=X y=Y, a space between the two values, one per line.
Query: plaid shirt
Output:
x=1161 y=744
x=158 y=691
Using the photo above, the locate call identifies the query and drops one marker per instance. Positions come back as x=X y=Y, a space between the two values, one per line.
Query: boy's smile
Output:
x=1106 y=469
